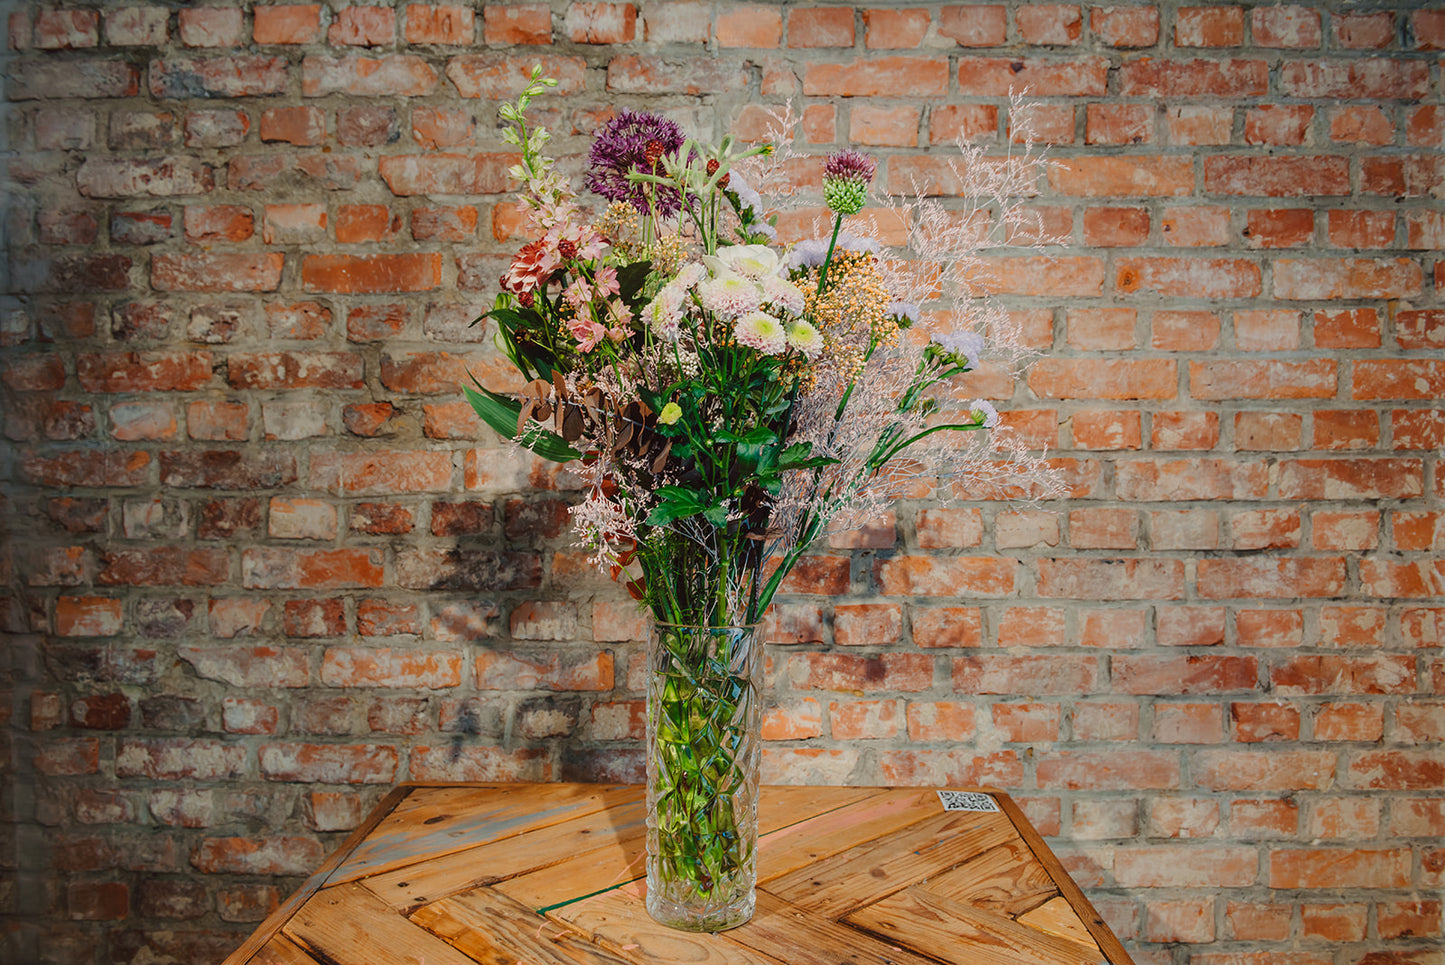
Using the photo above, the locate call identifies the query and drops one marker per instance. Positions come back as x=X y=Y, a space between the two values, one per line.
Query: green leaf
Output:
x=502 y=413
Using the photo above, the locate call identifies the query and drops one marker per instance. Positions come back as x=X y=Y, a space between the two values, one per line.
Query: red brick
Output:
x=1267 y=431
x=879 y=76
x=1195 y=227
x=521 y=23
x=444 y=223
x=1273 y=770
x=371 y=274
x=1276 y=124
x=1152 y=480
x=1313 y=379
x=363 y=27
x=384 y=667
x=1351 y=478
x=1037 y=675
x=1361 y=125
x=294 y=125
x=1184 y=431
x=1031 y=627
x=982 y=25
x=1349 y=722
x=1121 y=227
x=750 y=25
x=1108 y=770
x=863 y=719
x=212 y=272
x=895 y=126
x=210 y=26
x=448 y=25
x=820 y=27
x=1107 y=430
x=1364 y=31
x=947 y=627
x=966 y=122
x=1185 y=331
x=136 y=27
x=1271 y=578
x=1345 y=531
x=268 y=855
x=929 y=576
x=938 y=528
x=1217 y=26
x=217 y=420
x=950 y=768
x=1398 y=379
x=1053 y=24
x=1276 y=177
x=1375 y=78
x=286 y=24
x=1189 y=277
x=1279 y=228
x=1294 y=27
x=1339 y=868
x=1103 y=379
x=1197 y=125
x=1126 y=177
x=366 y=126
x=391 y=75
x=886 y=672
x=941 y=721
x=277 y=568
x=1160 y=78
x=894 y=29
x=1256 y=722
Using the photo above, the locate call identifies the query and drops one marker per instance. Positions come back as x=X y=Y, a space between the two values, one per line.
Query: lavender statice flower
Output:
x=845 y=180
x=984 y=410
x=811 y=253
x=968 y=345
x=634 y=141
x=904 y=310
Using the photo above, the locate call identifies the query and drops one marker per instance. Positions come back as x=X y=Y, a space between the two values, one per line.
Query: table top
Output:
x=553 y=874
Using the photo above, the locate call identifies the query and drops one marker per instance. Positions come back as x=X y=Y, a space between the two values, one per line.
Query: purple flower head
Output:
x=849 y=165
x=633 y=141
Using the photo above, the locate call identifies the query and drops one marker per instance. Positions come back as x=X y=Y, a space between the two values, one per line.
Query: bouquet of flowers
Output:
x=729 y=401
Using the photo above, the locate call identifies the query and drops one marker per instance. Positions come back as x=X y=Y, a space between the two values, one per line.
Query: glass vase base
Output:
x=700 y=917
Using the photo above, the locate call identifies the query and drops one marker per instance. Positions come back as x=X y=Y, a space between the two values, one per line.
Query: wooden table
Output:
x=553 y=874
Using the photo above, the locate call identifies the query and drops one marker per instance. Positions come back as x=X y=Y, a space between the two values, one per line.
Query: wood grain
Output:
x=952 y=932
x=853 y=878
x=553 y=875
x=492 y=929
x=347 y=923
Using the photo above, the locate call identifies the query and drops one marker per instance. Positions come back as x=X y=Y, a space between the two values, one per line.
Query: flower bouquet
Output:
x=728 y=401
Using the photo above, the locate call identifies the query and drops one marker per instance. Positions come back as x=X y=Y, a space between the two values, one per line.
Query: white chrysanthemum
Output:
x=806 y=339
x=984 y=409
x=763 y=332
x=691 y=273
x=729 y=295
x=664 y=316
x=784 y=294
x=754 y=261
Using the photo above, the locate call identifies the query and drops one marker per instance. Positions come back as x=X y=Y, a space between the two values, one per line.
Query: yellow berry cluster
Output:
x=851 y=311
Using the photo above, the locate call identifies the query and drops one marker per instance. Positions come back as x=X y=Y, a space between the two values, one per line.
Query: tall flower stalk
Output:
x=727 y=399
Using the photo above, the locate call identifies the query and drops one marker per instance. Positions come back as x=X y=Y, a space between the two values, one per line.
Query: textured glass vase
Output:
x=704 y=717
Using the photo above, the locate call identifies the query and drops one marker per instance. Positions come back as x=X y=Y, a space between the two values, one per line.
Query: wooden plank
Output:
x=311 y=885
x=469 y=817
x=625 y=858
x=1086 y=912
x=801 y=938
x=856 y=877
x=618 y=921
x=424 y=882
x=346 y=923
x=955 y=933
x=492 y=929
x=1057 y=917
x=280 y=950
x=1007 y=879
x=805 y=842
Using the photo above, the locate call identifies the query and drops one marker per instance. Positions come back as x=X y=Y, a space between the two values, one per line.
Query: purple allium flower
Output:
x=849 y=165
x=845 y=180
x=633 y=141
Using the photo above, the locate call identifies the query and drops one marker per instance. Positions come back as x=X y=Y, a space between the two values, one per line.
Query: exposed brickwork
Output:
x=261 y=560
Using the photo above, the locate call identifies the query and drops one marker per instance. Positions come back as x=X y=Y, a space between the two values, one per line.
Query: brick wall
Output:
x=263 y=562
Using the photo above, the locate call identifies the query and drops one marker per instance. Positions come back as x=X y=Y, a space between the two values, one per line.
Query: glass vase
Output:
x=704 y=717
